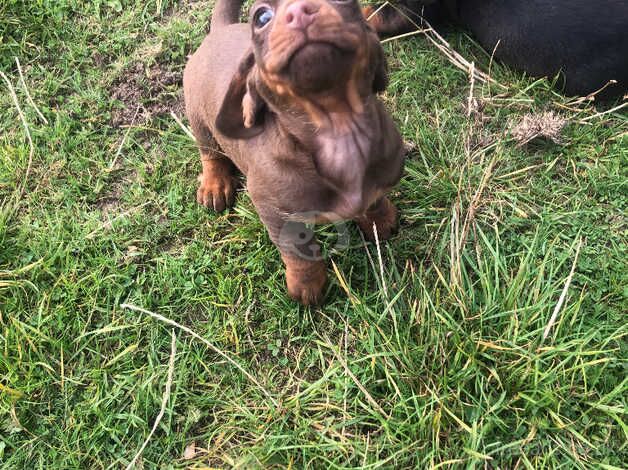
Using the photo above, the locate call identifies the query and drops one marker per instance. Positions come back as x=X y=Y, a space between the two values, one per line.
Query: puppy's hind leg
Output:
x=218 y=182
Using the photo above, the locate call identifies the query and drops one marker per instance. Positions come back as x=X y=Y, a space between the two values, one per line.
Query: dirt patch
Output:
x=176 y=243
x=145 y=93
x=547 y=125
x=108 y=205
x=111 y=201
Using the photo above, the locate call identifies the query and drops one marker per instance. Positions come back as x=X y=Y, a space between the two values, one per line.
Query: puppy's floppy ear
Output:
x=241 y=112
x=379 y=64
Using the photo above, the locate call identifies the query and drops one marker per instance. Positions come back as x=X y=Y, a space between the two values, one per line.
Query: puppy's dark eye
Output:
x=262 y=17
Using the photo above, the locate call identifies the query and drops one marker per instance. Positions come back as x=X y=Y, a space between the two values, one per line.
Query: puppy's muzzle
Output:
x=314 y=29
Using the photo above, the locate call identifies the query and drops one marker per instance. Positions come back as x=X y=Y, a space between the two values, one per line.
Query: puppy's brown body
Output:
x=315 y=145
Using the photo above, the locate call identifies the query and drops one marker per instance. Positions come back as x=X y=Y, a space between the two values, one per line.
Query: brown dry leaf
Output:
x=15 y=425
x=190 y=451
x=547 y=125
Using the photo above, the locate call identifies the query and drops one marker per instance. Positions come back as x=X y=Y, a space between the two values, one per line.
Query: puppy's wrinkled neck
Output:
x=342 y=134
x=344 y=150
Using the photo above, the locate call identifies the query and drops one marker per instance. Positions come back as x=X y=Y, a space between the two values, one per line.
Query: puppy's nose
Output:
x=300 y=14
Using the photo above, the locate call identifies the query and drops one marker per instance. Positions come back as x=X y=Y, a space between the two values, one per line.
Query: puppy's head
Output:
x=317 y=55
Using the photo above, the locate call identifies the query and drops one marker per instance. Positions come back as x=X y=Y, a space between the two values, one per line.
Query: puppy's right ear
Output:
x=241 y=112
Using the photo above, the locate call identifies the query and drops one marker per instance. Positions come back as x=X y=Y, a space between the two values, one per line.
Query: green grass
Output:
x=440 y=362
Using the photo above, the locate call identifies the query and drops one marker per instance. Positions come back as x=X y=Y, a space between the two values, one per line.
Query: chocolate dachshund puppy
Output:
x=290 y=100
x=585 y=42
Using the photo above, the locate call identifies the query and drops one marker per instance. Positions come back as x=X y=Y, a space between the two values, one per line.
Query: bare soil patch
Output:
x=111 y=200
x=146 y=93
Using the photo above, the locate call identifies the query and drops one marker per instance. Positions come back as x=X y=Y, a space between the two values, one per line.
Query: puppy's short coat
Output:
x=290 y=100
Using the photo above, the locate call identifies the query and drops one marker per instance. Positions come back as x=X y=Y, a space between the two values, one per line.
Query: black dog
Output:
x=585 y=41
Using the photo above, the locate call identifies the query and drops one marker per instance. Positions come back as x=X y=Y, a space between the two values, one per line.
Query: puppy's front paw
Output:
x=384 y=214
x=216 y=192
x=305 y=280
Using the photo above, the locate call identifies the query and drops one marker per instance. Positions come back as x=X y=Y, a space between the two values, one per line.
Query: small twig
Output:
x=405 y=35
x=492 y=59
x=126 y=134
x=28 y=95
x=475 y=202
x=608 y=111
x=205 y=342
x=182 y=126
x=368 y=253
x=344 y=401
x=454 y=243
x=26 y=130
x=442 y=45
x=563 y=294
x=456 y=58
x=343 y=284
x=471 y=83
x=376 y=11
x=591 y=96
x=379 y=258
x=164 y=399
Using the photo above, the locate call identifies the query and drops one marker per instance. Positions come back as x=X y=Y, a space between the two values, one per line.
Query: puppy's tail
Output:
x=226 y=12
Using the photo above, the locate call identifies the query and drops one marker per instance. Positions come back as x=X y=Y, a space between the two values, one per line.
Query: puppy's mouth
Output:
x=318 y=66
x=324 y=46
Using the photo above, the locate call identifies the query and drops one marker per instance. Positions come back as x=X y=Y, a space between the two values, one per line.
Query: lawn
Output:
x=490 y=332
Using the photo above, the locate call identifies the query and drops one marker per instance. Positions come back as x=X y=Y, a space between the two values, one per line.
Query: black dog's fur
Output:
x=585 y=41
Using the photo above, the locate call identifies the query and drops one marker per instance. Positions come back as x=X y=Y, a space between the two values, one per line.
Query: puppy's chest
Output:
x=346 y=165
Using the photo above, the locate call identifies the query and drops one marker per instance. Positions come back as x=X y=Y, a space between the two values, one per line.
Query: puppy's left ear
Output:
x=241 y=113
x=379 y=64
